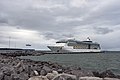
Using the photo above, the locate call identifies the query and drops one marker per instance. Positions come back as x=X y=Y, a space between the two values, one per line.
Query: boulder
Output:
x=1 y=75
x=111 y=79
x=19 y=64
x=55 y=66
x=118 y=76
x=43 y=72
x=6 y=77
x=60 y=70
x=107 y=73
x=50 y=76
x=23 y=76
x=36 y=67
x=90 y=78
x=96 y=74
x=36 y=73
x=47 y=69
x=38 y=78
x=15 y=77
x=64 y=76
x=81 y=73
x=7 y=70
x=54 y=72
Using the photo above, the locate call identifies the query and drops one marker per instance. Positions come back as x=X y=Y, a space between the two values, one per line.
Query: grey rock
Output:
x=47 y=69
x=36 y=73
x=111 y=79
x=36 y=67
x=107 y=73
x=26 y=68
x=1 y=75
x=65 y=77
x=90 y=78
x=43 y=72
x=81 y=73
x=15 y=77
x=2 y=64
x=96 y=74
x=50 y=76
x=23 y=76
x=38 y=78
x=60 y=70
x=7 y=70
x=56 y=66
x=118 y=76
x=19 y=64
x=54 y=72
x=7 y=77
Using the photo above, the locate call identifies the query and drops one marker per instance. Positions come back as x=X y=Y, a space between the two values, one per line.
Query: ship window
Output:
x=61 y=42
x=57 y=50
x=76 y=47
x=95 y=48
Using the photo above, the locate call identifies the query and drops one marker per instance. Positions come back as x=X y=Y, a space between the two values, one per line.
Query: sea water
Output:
x=92 y=61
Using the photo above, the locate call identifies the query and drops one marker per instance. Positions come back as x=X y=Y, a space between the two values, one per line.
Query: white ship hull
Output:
x=68 y=46
x=60 y=49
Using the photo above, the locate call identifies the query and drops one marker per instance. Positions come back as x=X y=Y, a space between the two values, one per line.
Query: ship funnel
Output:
x=88 y=39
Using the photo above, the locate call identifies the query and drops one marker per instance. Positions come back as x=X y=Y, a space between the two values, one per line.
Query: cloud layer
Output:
x=42 y=22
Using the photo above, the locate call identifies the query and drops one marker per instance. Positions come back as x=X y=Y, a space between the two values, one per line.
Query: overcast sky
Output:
x=43 y=22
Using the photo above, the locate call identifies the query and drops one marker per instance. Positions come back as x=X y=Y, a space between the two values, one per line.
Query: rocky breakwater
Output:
x=13 y=68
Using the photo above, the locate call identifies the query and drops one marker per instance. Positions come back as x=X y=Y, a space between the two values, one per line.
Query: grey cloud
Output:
x=44 y=19
x=41 y=15
x=3 y=40
x=57 y=36
x=28 y=17
x=105 y=14
x=3 y=21
x=110 y=41
x=41 y=18
x=68 y=35
x=102 y=30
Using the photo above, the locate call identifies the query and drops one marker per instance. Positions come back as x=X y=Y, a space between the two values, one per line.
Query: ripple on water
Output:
x=99 y=62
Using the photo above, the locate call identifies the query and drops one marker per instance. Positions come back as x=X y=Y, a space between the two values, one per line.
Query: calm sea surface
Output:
x=98 y=61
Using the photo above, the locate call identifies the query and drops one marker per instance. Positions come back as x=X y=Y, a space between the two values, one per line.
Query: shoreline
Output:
x=14 y=68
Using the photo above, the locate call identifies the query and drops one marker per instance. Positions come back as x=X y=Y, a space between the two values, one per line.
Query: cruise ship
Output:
x=75 y=46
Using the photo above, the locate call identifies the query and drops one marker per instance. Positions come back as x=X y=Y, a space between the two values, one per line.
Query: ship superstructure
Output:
x=72 y=45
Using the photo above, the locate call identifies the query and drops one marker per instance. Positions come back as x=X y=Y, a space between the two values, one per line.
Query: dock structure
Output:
x=32 y=52
x=16 y=51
